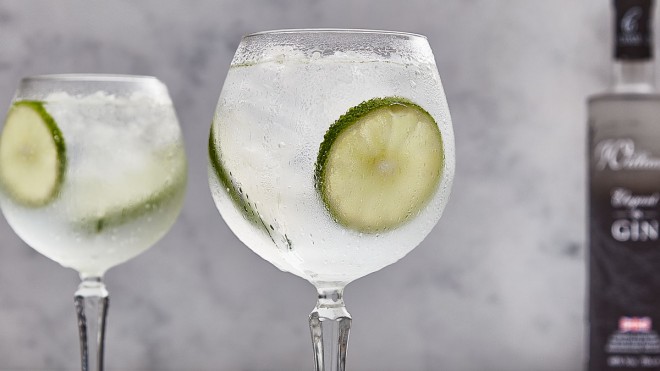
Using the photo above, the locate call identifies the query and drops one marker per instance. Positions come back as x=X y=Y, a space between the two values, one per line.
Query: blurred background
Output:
x=498 y=285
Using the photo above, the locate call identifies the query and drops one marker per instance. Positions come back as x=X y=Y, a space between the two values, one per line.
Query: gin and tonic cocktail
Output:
x=331 y=155
x=92 y=173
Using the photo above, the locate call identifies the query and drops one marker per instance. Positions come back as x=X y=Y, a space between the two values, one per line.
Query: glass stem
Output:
x=330 y=324
x=91 y=301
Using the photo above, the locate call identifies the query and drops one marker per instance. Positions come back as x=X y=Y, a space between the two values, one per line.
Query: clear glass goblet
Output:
x=331 y=155
x=92 y=173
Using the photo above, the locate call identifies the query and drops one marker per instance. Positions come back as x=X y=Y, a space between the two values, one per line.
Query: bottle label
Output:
x=624 y=264
x=633 y=29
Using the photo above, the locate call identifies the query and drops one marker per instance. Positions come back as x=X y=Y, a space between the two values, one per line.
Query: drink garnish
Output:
x=32 y=155
x=139 y=193
x=232 y=187
x=379 y=164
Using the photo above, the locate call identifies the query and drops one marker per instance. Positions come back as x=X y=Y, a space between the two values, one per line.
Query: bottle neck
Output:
x=634 y=76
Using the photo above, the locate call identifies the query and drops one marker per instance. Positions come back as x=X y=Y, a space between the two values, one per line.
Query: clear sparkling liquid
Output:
x=123 y=186
x=270 y=121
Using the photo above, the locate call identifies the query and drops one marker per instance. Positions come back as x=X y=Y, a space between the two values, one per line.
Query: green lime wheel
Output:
x=231 y=186
x=99 y=206
x=32 y=155
x=379 y=164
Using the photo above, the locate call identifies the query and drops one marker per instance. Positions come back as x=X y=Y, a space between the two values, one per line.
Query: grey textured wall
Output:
x=499 y=284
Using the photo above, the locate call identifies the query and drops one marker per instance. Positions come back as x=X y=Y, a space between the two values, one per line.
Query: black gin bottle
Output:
x=624 y=202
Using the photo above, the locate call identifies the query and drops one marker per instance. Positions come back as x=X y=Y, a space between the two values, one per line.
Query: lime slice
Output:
x=241 y=199
x=232 y=187
x=379 y=164
x=101 y=205
x=32 y=155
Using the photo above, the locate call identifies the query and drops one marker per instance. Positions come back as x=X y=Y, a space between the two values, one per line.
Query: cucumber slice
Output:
x=32 y=155
x=99 y=206
x=379 y=164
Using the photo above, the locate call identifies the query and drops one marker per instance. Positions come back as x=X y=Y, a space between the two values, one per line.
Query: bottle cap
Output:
x=633 y=37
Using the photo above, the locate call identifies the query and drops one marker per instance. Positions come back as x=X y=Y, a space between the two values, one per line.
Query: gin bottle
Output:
x=624 y=202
